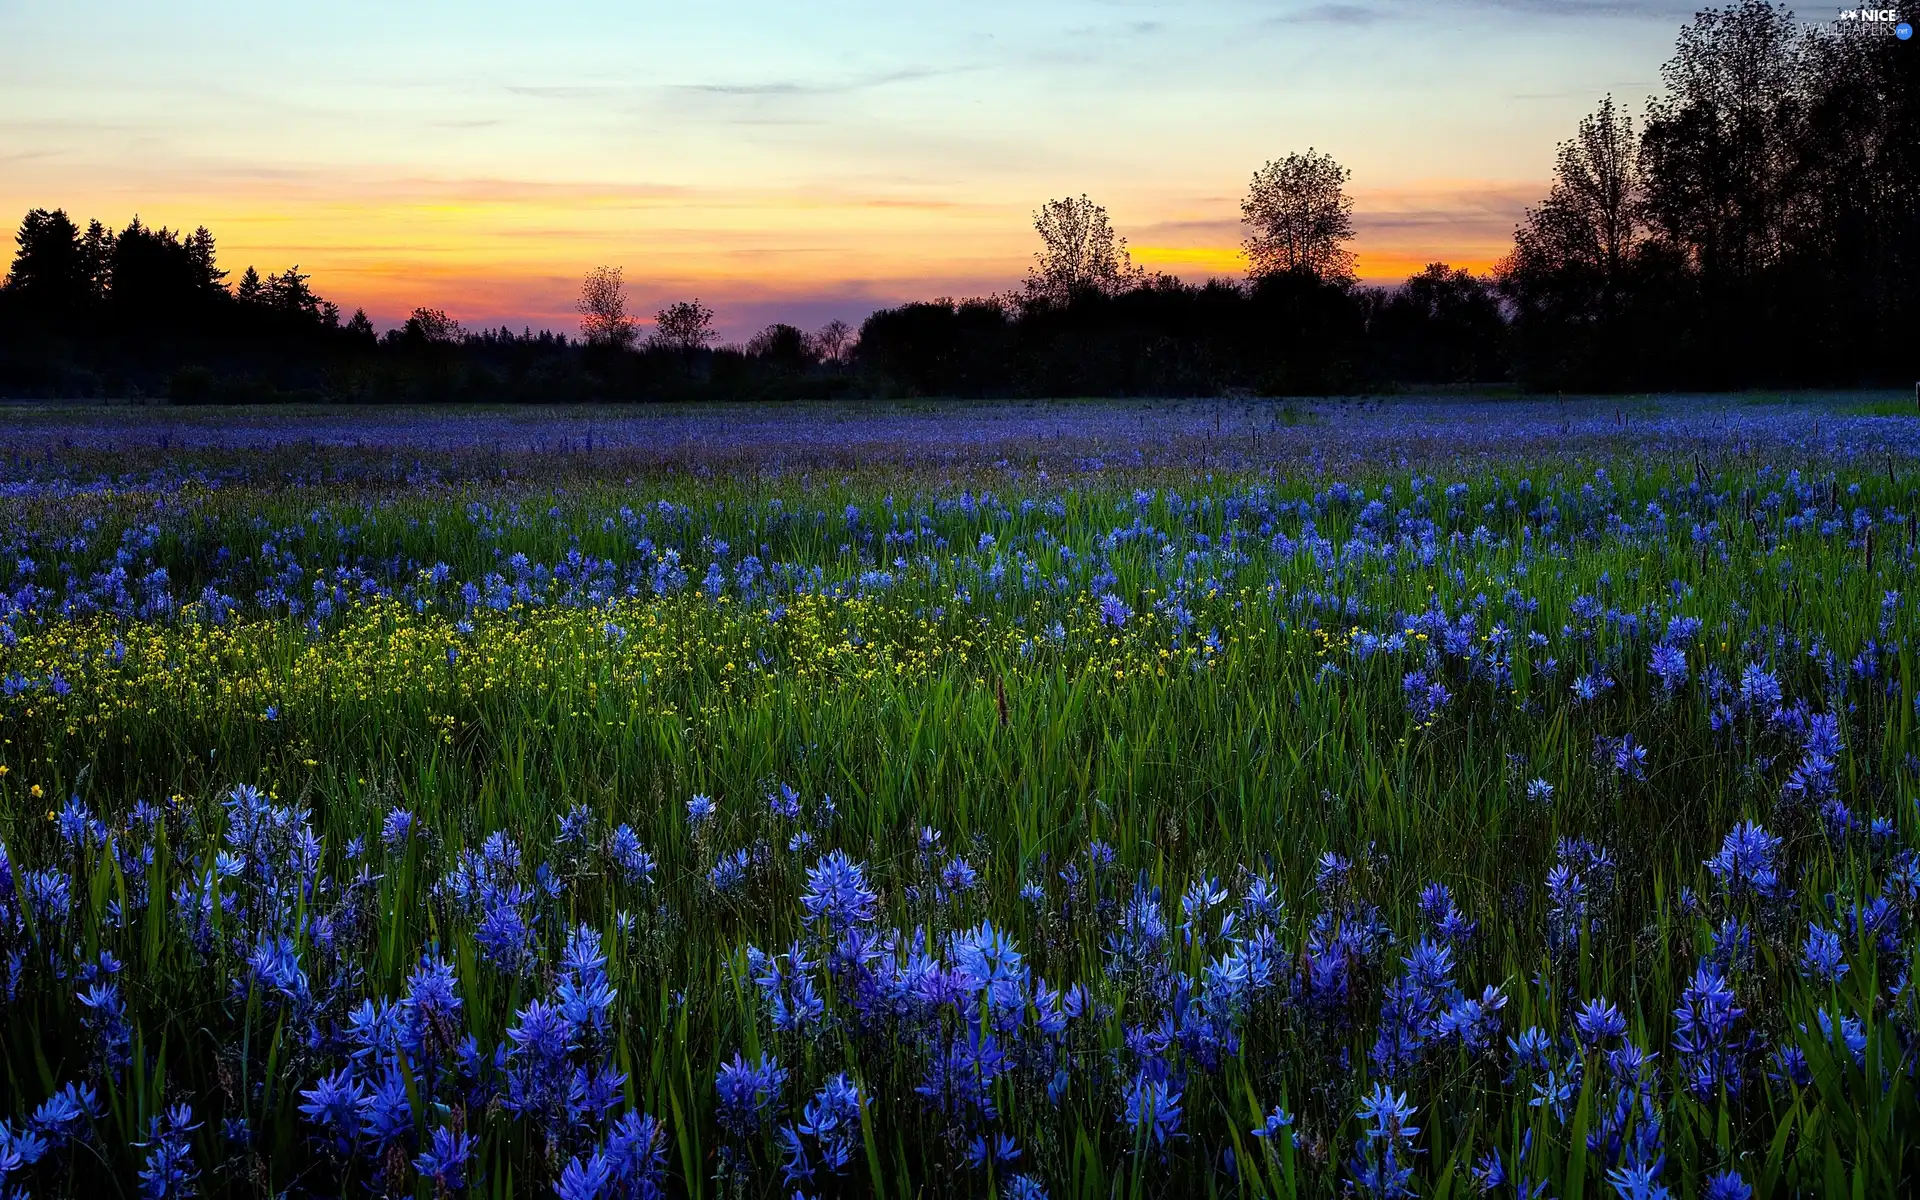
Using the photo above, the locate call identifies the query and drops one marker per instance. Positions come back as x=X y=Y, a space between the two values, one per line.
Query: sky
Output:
x=793 y=161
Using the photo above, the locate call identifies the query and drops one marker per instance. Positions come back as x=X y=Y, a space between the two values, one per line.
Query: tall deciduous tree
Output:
x=1718 y=144
x=1299 y=218
x=603 y=309
x=1573 y=250
x=1079 y=252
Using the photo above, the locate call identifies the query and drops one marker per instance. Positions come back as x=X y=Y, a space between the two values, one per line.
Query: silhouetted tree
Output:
x=781 y=345
x=1299 y=218
x=685 y=327
x=289 y=297
x=1571 y=274
x=941 y=347
x=208 y=278
x=50 y=278
x=1442 y=326
x=159 y=284
x=603 y=310
x=432 y=327
x=1079 y=252
x=251 y=290
x=96 y=256
x=1849 y=277
x=834 y=341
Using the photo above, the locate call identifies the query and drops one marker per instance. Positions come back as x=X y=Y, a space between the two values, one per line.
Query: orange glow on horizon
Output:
x=491 y=251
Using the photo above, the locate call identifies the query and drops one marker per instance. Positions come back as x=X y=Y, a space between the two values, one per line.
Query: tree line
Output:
x=1758 y=224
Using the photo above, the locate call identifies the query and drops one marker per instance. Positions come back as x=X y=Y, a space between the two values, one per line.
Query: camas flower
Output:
x=332 y=1106
x=700 y=810
x=837 y=894
x=1746 y=862
x=1599 y=1021
x=1821 y=957
x=749 y=1092
x=1670 y=665
x=1382 y=1163
x=635 y=864
x=1151 y=1109
x=445 y=1161
x=61 y=1116
x=168 y=1170
x=1710 y=1054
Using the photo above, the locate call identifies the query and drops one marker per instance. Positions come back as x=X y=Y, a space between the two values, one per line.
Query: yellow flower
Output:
x=36 y=791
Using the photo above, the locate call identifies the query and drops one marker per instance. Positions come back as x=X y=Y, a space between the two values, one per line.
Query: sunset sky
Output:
x=794 y=161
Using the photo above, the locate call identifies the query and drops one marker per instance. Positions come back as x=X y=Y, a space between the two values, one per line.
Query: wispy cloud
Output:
x=794 y=87
x=1336 y=14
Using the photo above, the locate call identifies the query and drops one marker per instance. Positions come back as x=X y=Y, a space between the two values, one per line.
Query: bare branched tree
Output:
x=1079 y=252
x=1299 y=218
x=834 y=341
x=603 y=309
x=685 y=327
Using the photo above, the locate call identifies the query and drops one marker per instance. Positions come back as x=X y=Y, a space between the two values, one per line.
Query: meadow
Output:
x=1366 y=797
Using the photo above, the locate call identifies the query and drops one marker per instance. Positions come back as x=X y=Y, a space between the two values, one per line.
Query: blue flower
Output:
x=1746 y=862
x=584 y=995
x=1278 y=1121
x=104 y=1013
x=636 y=1150
x=61 y=1115
x=831 y=1121
x=1727 y=1185
x=1821 y=957
x=576 y=827
x=1599 y=1021
x=1151 y=1109
x=1382 y=1162
x=333 y=1105
x=1670 y=664
x=1638 y=1182
x=749 y=1092
x=729 y=874
x=837 y=894
x=584 y=1178
x=624 y=848
x=997 y=1150
x=700 y=810
x=274 y=967
x=1703 y=1035
x=386 y=1115
x=1022 y=1187
x=168 y=1170
x=445 y=1162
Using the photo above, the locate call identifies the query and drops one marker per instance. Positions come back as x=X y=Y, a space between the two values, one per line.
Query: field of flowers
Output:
x=1062 y=800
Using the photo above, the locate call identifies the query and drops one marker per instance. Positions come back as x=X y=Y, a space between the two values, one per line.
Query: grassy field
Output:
x=1072 y=800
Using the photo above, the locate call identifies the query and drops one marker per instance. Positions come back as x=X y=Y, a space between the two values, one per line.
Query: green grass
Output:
x=912 y=707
